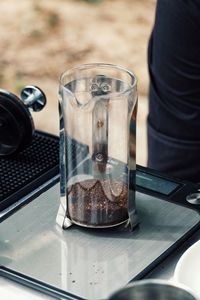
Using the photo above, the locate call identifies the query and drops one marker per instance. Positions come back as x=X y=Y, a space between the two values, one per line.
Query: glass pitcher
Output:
x=97 y=105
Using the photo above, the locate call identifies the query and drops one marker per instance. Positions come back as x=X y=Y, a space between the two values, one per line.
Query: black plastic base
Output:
x=24 y=172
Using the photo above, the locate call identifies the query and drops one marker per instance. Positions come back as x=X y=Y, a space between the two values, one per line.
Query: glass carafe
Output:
x=98 y=104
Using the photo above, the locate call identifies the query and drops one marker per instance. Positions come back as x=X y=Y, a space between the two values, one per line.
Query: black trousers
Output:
x=174 y=95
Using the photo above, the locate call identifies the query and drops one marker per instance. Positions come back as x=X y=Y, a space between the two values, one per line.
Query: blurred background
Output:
x=42 y=38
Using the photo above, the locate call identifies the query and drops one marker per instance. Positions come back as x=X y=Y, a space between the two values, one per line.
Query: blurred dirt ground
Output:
x=42 y=38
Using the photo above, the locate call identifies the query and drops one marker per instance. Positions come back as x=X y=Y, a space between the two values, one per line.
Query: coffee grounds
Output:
x=98 y=202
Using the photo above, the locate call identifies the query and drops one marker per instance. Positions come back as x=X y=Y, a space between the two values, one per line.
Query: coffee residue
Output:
x=98 y=202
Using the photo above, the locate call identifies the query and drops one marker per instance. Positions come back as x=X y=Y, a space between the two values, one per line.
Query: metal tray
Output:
x=81 y=263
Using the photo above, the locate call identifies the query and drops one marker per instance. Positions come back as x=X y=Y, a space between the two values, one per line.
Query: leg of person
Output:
x=174 y=95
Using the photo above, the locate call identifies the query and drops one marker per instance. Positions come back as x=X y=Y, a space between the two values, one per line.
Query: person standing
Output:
x=173 y=123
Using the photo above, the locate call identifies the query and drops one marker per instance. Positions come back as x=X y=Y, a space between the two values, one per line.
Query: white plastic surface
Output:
x=187 y=270
x=10 y=290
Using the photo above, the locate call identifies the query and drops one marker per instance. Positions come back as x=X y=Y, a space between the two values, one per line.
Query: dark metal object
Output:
x=194 y=198
x=33 y=97
x=153 y=289
x=16 y=123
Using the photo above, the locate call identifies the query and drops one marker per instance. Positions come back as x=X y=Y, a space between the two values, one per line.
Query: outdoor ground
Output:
x=39 y=39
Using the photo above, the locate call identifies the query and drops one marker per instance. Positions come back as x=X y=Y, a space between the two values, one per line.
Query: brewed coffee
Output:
x=98 y=202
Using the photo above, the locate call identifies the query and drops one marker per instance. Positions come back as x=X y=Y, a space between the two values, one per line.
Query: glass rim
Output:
x=103 y=66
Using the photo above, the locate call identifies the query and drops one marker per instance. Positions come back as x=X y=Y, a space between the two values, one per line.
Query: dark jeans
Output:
x=174 y=96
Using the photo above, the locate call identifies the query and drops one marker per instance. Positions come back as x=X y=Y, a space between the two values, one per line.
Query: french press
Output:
x=97 y=104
